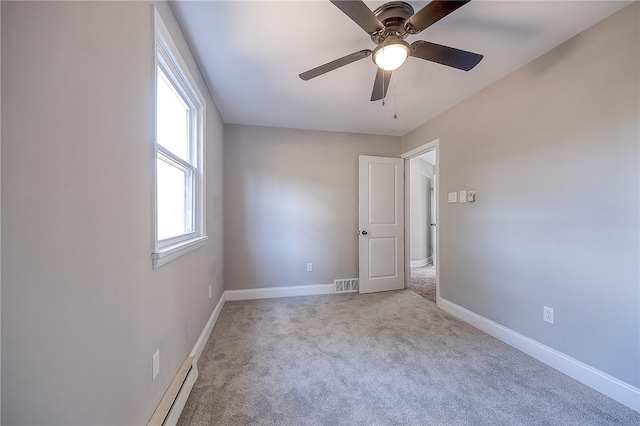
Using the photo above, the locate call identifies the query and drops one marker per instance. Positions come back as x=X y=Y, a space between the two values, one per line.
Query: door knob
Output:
x=433 y=224
x=364 y=232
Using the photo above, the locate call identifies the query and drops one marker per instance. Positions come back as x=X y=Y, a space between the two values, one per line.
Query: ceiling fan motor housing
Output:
x=388 y=26
x=392 y=15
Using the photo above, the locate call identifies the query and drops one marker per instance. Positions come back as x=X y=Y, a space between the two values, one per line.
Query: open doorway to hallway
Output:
x=422 y=218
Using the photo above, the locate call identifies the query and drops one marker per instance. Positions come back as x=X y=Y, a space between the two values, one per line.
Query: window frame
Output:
x=168 y=59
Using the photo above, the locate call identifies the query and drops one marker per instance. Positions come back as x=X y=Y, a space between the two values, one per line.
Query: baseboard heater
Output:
x=170 y=408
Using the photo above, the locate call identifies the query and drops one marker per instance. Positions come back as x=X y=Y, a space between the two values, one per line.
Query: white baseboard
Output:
x=208 y=328
x=270 y=292
x=616 y=389
x=419 y=263
x=422 y=262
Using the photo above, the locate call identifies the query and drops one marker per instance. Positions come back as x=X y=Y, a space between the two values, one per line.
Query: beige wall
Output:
x=291 y=197
x=553 y=153
x=82 y=310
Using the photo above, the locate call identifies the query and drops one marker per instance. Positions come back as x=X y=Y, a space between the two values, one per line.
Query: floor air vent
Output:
x=349 y=285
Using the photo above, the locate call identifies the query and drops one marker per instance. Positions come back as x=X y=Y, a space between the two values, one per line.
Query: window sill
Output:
x=167 y=254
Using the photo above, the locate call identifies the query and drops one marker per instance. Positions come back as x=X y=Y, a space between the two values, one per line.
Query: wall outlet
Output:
x=209 y=292
x=309 y=267
x=547 y=314
x=156 y=364
x=453 y=197
x=463 y=196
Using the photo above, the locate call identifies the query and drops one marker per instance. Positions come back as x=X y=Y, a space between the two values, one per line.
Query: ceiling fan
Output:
x=388 y=26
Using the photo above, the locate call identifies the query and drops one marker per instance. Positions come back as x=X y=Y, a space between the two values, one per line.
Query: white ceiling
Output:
x=251 y=53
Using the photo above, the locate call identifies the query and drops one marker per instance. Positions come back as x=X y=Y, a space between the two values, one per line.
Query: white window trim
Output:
x=167 y=55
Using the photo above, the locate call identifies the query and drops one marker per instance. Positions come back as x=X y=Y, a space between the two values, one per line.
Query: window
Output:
x=179 y=154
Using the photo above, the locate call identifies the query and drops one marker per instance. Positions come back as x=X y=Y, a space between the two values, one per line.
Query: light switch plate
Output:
x=453 y=197
x=471 y=196
x=463 y=196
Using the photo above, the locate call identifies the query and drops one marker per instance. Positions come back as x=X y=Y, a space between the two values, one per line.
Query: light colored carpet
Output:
x=423 y=281
x=388 y=358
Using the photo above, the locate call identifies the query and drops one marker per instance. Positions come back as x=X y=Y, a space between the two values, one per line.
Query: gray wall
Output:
x=82 y=310
x=417 y=200
x=418 y=211
x=421 y=180
x=291 y=197
x=428 y=171
x=552 y=151
x=0 y=204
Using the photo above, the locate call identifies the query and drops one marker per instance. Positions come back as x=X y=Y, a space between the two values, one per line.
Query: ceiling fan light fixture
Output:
x=389 y=56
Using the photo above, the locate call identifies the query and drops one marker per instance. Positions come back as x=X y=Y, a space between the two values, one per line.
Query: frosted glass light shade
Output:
x=391 y=56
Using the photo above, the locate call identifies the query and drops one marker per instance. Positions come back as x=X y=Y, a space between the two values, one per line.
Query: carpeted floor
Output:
x=389 y=358
x=423 y=281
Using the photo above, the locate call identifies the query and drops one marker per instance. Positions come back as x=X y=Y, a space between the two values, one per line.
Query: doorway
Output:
x=421 y=221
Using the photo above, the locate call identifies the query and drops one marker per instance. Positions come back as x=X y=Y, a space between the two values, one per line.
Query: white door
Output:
x=381 y=224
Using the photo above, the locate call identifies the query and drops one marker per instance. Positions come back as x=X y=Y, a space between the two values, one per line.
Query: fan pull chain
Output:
x=384 y=92
x=395 y=96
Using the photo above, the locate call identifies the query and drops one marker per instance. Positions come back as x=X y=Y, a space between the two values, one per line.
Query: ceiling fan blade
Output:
x=360 y=14
x=330 y=66
x=432 y=13
x=455 y=58
x=381 y=85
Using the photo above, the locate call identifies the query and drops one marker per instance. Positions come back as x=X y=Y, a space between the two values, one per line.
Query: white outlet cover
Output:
x=453 y=197
x=547 y=314
x=463 y=196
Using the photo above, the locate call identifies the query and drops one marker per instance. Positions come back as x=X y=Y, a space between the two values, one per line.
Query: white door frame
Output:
x=434 y=144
